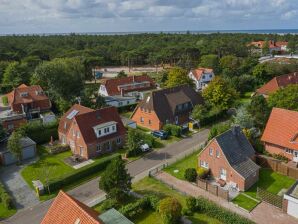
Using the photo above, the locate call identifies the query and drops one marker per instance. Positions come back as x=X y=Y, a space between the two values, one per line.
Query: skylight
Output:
x=72 y=114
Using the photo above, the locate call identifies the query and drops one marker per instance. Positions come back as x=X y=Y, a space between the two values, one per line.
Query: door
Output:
x=29 y=152
x=9 y=158
x=223 y=174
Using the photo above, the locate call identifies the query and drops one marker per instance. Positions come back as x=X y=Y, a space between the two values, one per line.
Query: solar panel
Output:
x=72 y=114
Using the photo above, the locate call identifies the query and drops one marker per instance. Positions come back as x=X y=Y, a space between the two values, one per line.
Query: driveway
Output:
x=89 y=192
x=23 y=195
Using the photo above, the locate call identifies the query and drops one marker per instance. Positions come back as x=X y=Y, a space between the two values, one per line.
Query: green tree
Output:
x=170 y=210
x=220 y=94
x=243 y=118
x=265 y=48
x=292 y=46
x=14 y=145
x=263 y=72
x=2 y=132
x=121 y=74
x=116 y=181
x=286 y=98
x=178 y=76
x=259 y=110
x=199 y=112
x=230 y=65
x=15 y=74
x=210 y=61
x=134 y=139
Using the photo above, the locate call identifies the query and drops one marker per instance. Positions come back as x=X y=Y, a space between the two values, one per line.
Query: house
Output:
x=90 y=133
x=277 y=83
x=290 y=201
x=25 y=103
x=274 y=46
x=132 y=86
x=201 y=77
x=230 y=157
x=67 y=210
x=166 y=106
x=281 y=133
x=28 y=151
x=120 y=101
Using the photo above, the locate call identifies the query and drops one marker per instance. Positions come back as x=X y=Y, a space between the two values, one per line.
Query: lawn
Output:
x=126 y=114
x=246 y=98
x=5 y=213
x=181 y=165
x=245 y=202
x=271 y=181
x=151 y=186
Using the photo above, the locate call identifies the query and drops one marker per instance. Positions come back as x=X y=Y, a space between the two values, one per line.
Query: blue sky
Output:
x=51 y=16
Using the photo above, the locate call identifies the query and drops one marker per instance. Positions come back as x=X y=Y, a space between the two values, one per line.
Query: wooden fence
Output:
x=270 y=198
x=277 y=166
x=213 y=189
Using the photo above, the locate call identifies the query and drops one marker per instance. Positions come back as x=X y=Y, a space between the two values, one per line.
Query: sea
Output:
x=260 y=31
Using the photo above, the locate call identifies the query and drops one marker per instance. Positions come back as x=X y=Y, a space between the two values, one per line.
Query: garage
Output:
x=28 y=151
x=292 y=200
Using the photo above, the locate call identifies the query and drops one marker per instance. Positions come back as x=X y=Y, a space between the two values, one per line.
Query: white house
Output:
x=201 y=77
x=120 y=101
x=291 y=200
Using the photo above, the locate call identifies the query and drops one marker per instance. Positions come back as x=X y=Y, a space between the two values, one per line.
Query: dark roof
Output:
x=112 y=85
x=88 y=120
x=164 y=102
x=238 y=151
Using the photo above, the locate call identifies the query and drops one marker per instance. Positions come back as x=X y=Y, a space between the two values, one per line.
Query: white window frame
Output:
x=204 y=164
x=210 y=152
x=217 y=154
x=289 y=151
x=118 y=141
x=98 y=148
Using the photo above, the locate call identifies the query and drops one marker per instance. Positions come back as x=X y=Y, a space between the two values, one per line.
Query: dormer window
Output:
x=24 y=94
x=99 y=132
x=105 y=129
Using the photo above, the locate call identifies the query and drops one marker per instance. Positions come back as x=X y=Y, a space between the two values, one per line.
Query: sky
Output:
x=64 y=16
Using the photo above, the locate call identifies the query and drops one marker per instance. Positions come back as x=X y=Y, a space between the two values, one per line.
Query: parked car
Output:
x=160 y=134
x=145 y=147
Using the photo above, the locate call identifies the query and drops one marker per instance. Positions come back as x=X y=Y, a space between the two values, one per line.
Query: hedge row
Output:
x=5 y=198
x=173 y=130
x=84 y=172
x=213 y=118
x=218 y=212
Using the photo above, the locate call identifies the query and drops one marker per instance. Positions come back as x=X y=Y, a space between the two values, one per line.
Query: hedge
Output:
x=172 y=129
x=5 y=198
x=213 y=118
x=84 y=172
x=220 y=213
x=5 y=100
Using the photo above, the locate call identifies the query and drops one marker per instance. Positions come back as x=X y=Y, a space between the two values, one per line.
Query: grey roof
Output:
x=112 y=216
x=238 y=151
x=126 y=121
x=25 y=142
x=164 y=102
x=293 y=191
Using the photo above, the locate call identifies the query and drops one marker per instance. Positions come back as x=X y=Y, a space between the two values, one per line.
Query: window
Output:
x=142 y=119
x=180 y=107
x=113 y=127
x=10 y=126
x=127 y=102
x=73 y=133
x=64 y=125
x=211 y=152
x=204 y=164
x=107 y=130
x=176 y=120
x=120 y=104
x=217 y=154
x=203 y=76
x=118 y=141
x=210 y=76
x=289 y=151
x=99 y=132
x=78 y=134
x=98 y=148
x=149 y=122
x=223 y=174
x=78 y=221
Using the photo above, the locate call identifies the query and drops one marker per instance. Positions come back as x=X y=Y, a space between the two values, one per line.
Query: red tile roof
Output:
x=282 y=128
x=272 y=44
x=278 y=82
x=34 y=93
x=200 y=71
x=67 y=210
x=112 y=85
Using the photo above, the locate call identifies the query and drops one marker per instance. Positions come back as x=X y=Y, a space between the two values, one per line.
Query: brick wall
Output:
x=275 y=149
x=16 y=123
x=149 y=119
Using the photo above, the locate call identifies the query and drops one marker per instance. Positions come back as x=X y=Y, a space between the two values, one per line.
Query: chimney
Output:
x=122 y=92
x=236 y=130
x=133 y=78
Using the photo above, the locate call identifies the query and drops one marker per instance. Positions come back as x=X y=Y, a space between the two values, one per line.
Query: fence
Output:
x=213 y=189
x=277 y=166
x=270 y=198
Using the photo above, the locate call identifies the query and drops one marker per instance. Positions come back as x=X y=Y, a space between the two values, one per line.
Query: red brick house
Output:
x=277 y=83
x=90 y=133
x=281 y=133
x=67 y=210
x=230 y=157
x=171 y=105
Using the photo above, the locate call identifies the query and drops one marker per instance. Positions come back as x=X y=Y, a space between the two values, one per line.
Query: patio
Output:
x=233 y=192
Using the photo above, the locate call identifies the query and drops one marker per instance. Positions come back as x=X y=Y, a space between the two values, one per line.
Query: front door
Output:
x=223 y=174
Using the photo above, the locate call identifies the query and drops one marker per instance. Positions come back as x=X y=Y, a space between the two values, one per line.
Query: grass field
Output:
x=151 y=186
x=181 y=165
x=245 y=202
x=5 y=213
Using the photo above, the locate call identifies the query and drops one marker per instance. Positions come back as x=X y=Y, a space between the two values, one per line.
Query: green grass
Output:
x=246 y=98
x=126 y=114
x=5 y=213
x=270 y=181
x=245 y=202
x=181 y=165
x=151 y=186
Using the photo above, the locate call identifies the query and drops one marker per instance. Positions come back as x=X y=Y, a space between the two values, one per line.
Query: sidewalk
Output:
x=262 y=214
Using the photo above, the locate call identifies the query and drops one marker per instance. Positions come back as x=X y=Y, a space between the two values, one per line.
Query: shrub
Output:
x=225 y=216
x=172 y=129
x=191 y=204
x=132 y=209
x=170 y=210
x=153 y=201
x=190 y=174
x=84 y=172
x=218 y=129
x=5 y=198
x=5 y=100
x=55 y=149
x=202 y=172
x=109 y=203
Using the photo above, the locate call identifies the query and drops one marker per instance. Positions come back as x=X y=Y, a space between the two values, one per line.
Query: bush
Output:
x=108 y=204
x=225 y=216
x=191 y=204
x=218 y=129
x=5 y=198
x=84 y=172
x=172 y=129
x=202 y=172
x=132 y=209
x=55 y=149
x=170 y=210
x=190 y=174
x=153 y=201
x=5 y=100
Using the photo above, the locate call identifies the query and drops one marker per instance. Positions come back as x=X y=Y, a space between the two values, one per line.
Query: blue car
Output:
x=160 y=134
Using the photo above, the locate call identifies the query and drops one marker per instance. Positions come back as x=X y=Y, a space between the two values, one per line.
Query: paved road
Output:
x=89 y=191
